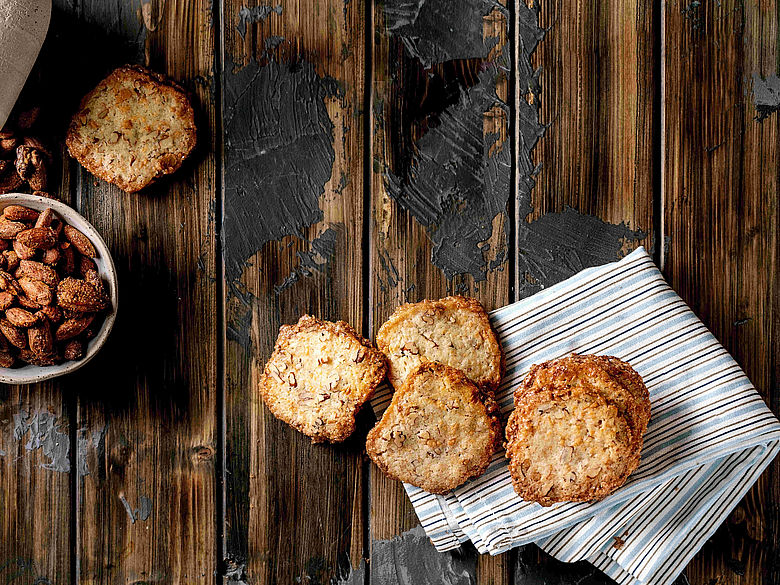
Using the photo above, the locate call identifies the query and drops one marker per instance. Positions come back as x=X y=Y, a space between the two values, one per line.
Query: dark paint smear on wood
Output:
x=559 y=245
x=455 y=187
x=766 y=95
x=435 y=32
x=247 y=16
x=278 y=155
x=411 y=558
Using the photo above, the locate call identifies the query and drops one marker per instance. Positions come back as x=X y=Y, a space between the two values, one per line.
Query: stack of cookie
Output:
x=577 y=429
x=442 y=426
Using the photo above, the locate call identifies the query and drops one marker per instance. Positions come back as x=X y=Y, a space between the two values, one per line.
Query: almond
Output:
x=72 y=327
x=45 y=218
x=21 y=318
x=6 y=300
x=40 y=338
x=23 y=251
x=52 y=312
x=9 y=229
x=35 y=359
x=20 y=213
x=40 y=238
x=27 y=303
x=13 y=334
x=79 y=241
x=36 y=291
x=6 y=359
x=11 y=260
x=79 y=295
x=37 y=271
x=10 y=284
x=51 y=256
x=74 y=350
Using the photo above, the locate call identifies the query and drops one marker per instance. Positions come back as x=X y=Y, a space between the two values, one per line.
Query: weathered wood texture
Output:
x=440 y=187
x=147 y=415
x=593 y=199
x=720 y=226
x=293 y=86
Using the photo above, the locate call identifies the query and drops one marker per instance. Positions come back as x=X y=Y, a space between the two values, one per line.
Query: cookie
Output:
x=133 y=128
x=568 y=444
x=439 y=430
x=454 y=331
x=594 y=372
x=319 y=376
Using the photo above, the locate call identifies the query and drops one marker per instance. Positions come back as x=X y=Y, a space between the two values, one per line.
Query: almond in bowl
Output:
x=58 y=289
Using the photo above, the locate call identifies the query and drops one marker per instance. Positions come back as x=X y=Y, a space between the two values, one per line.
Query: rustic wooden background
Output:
x=354 y=156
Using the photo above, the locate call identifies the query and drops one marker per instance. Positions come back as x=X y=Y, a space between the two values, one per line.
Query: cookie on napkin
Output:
x=454 y=331
x=576 y=433
x=568 y=445
x=439 y=430
x=318 y=377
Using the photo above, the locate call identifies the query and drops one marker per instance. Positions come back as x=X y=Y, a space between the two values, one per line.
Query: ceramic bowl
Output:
x=30 y=374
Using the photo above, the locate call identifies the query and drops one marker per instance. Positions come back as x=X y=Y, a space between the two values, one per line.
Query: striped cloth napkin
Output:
x=709 y=438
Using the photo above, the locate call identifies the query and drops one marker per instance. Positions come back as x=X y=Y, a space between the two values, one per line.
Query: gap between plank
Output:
x=218 y=18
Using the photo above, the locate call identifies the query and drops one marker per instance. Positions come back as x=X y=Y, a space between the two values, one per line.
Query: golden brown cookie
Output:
x=319 y=376
x=568 y=444
x=439 y=430
x=594 y=372
x=133 y=128
x=454 y=331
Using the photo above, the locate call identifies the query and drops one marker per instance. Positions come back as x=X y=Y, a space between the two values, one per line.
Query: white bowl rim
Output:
x=31 y=374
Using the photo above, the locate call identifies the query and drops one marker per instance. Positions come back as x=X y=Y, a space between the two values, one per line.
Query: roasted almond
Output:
x=7 y=360
x=35 y=359
x=11 y=260
x=21 y=318
x=80 y=241
x=9 y=229
x=45 y=218
x=72 y=327
x=10 y=284
x=23 y=251
x=20 y=213
x=40 y=338
x=6 y=300
x=37 y=271
x=52 y=312
x=74 y=350
x=40 y=238
x=36 y=291
x=79 y=295
x=13 y=334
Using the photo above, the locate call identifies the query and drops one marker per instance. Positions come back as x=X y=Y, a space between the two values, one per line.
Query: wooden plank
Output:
x=147 y=404
x=585 y=189
x=441 y=188
x=593 y=199
x=721 y=226
x=293 y=93
x=37 y=422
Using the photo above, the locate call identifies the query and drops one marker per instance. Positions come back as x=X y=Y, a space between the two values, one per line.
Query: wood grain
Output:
x=37 y=422
x=408 y=102
x=721 y=223
x=593 y=168
x=294 y=510
x=147 y=404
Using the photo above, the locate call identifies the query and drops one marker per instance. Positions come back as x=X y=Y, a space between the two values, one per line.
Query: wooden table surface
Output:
x=354 y=156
